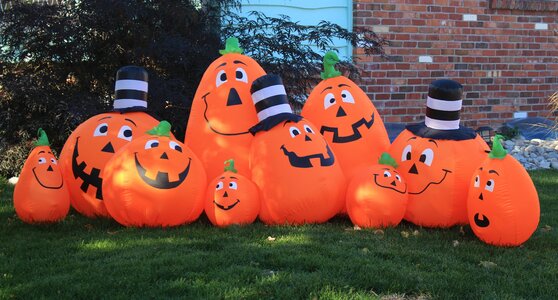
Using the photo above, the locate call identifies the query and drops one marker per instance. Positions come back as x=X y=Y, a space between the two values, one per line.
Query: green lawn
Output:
x=83 y=258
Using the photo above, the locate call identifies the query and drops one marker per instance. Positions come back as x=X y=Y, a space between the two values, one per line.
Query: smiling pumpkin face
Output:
x=377 y=195
x=437 y=174
x=232 y=199
x=347 y=119
x=89 y=148
x=40 y=194
x=503 y=205
x=300 y=180
x=222 y=111
x=154 y=181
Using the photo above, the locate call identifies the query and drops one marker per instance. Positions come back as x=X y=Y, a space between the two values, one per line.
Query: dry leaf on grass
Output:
x=416 y=233
x=487 y=264
x=378 y=232
x=455 y=243
x=270 y=238
x=546 y=228
x=356 y=227
x=405 y=234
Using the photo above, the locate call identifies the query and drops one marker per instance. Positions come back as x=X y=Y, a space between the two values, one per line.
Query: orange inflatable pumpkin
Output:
x=40 y=195
x=437 y=159
x=222 y=111
x=154 y=181
x=232 y=199
x=299 y=178
x=377 y=195
x=503 y=205
x=96 y=140
x=346 y=118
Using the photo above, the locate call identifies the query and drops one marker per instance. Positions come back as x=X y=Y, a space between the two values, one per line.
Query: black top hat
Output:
x=270 y=98
x=442 y=113
x=130 y=89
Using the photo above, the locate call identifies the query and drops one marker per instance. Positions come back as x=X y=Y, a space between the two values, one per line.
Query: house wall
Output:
x=506 y=59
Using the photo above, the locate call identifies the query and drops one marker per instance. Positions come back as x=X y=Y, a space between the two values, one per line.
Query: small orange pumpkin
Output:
x=40 y=194
x=96 y=140
x=300 y=180
x=346 y=118
x=232 y=199
x=437 y=158
x=222 y=111
x=154 y=181
x=503 y=205
x=377 y=196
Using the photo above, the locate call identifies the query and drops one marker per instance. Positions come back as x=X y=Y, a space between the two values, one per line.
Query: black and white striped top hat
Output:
x=271 y=102
x=443 y=105
x=130 y=89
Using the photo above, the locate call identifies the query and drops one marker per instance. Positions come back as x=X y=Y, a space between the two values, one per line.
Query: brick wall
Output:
x=507 y=59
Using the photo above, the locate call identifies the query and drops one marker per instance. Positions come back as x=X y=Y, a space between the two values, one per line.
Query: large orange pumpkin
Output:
x=222 y=111
x=96 y=140
x=154 y=181
x=232 y=199
x=299 y=178
x=503 y=205
x=40 y=195
x=437 y=158
x=346 y=118
x=377 y=195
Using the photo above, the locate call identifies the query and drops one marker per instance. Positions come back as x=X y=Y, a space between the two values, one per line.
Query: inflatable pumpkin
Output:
x=437 y=159
x=299 y=178
x=503 y=205
x=377 y=195
x=154 y=181
x=222 y=111
x=232 y=199
x=96 y=140
x=40 y=195
x=346 y=118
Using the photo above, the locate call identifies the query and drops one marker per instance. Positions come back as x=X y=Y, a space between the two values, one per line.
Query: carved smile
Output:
x=204 y=97
x=48 y=186
x=304 y=161
x=88 y=179
x=432 y=183
x=226 y=207
x=481 y=222
x=388 y=187
x=349 y=138
x=162 y=179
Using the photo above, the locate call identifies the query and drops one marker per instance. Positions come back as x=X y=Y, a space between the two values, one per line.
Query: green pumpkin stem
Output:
x=386 y=159
x=330 y=59
x=162 y=129
x=498 y=151
x=230 y=166
x=231 y=46
x=42 y=138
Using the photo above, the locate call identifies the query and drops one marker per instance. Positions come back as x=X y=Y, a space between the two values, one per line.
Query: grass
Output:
x=83 y=258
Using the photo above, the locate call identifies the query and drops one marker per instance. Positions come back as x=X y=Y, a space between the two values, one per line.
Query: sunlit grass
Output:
x=83 y=258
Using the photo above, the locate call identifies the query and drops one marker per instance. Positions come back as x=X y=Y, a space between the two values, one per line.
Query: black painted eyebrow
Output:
x=238 y=62
x=342 y=85
x=480 y=168
x=42 y=151
x=288 y=121
x=493 y=172
x=233 y=177
x=221 y=65
x=327 y=88
x=412 y=138
x=222 y=178
x=108 y=117
x=433 y=141
x=131 y=122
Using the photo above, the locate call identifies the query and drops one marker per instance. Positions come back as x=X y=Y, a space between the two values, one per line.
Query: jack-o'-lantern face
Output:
x=303 y=148
x=388 y=178
x=45 y=168
x=161 y=163
x=502 y=203
x=226 y=197
x=90 y=147
x=225 y=92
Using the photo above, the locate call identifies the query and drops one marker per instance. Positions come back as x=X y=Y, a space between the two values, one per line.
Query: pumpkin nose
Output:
x=234 y=98
x=164 y=156
x=481 y=197
x=50 y=168
x=307 y=138
x=341 y=112
x=108 y=148
x=225 y=194
x=413 y=169
x=394 y=183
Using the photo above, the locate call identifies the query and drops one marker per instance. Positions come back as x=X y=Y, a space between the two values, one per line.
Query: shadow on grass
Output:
x=98 y=258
